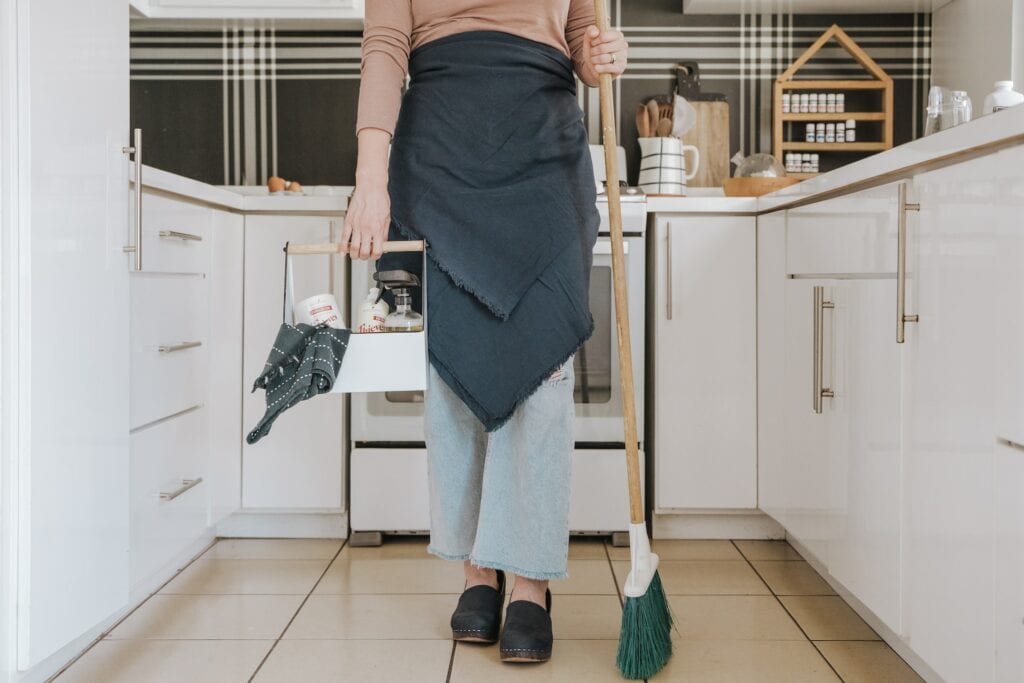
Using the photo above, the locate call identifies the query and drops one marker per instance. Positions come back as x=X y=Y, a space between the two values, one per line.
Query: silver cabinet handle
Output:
x=179 y=347
x=668 y=271
x=901 y=265
x=818 y=372
x=186 y=236
x=136 y=150
x=186 y=484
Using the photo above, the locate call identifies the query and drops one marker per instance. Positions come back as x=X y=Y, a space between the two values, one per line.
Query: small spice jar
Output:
x=810 y=133
x=830 y=132
x=785 y=103
x=840 y=103
x=830 y=103
x=819 y=132
x=851 y=130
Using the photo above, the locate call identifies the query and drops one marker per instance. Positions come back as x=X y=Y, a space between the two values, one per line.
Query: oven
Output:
x=387 y=462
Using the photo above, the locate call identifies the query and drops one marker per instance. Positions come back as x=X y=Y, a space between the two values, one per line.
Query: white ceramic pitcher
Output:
x=663 y=165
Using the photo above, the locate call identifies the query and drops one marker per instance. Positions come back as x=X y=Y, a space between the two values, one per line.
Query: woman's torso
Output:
x=541 y=20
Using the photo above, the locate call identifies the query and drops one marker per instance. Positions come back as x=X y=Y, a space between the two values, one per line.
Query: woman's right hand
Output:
x=367 y=221
x=369 y=209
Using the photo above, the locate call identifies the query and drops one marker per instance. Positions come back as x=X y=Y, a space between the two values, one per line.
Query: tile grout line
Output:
x=451 y=661
x=788 y=613
x=299 y=609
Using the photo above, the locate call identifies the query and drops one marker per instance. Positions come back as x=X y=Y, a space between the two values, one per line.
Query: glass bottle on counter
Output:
x=403 y=319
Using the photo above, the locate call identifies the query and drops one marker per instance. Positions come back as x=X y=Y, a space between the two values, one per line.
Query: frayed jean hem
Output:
x=508 y=568
x=446 y=556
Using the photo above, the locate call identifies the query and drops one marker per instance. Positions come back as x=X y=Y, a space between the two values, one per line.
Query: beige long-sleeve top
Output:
x=393 y=28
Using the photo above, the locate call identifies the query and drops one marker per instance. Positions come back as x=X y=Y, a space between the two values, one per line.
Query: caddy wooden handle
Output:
x=338 y=247
x=611 y=160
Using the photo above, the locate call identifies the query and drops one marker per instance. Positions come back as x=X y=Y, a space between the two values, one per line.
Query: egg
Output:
x=294 y=186
x=275 y=184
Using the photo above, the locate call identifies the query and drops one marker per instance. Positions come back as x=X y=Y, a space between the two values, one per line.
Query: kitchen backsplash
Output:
x=238 y=103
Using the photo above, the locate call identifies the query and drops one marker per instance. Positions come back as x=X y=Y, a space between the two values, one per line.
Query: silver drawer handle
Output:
x=136 y=150
x=186 y=484
x=818 y=371
x=902 y=317
x=179 y=347
x=185 y=236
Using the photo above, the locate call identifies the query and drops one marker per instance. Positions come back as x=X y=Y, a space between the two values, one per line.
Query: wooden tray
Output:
x=755 y=187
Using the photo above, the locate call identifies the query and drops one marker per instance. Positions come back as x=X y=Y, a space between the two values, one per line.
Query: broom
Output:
x=645 y=640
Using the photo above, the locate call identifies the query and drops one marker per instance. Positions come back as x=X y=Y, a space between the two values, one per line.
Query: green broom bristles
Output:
x=645 y=643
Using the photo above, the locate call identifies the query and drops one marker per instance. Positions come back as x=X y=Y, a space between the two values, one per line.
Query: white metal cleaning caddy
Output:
x=380 y=361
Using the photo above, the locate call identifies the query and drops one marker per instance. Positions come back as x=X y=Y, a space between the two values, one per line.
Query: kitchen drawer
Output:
x=164 y=457
x=175 y=235
x=856 y=234
x=169 y=335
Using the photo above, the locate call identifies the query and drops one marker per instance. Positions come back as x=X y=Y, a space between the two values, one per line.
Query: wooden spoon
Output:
x=643 y=126
x=664 y=128
x=653 y=114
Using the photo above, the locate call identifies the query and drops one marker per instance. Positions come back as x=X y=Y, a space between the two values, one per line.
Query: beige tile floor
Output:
x=315 y=610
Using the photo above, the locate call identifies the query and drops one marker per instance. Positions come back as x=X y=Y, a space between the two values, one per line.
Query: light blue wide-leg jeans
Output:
x=501 y=500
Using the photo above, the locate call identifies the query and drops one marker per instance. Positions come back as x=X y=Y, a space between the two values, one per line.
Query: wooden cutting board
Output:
x=710 y=135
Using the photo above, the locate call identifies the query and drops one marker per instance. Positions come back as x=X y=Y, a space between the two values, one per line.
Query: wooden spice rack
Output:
x=878 y=81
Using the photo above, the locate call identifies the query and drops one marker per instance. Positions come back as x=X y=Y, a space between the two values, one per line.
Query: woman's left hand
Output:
x=605 y=53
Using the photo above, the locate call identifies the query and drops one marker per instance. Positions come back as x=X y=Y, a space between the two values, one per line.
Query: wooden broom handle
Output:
x=611 y=148
x=336 y=247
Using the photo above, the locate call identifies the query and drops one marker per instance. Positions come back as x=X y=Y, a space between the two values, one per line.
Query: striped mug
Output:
x=663 y=165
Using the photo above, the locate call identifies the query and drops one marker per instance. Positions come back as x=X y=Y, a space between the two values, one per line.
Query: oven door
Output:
x=397 y=417
x=597 y=393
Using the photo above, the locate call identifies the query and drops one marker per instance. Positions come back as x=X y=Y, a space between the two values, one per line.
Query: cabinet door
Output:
x=865 y=447
x=1009 y=302
x=1009 y=575
x=705 y=351
x=804 y=499
x=72 y=333
x=299 y=464
x=226 y=382
x=949 y=427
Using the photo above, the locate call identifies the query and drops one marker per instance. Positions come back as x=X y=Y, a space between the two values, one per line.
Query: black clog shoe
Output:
x=527 y=634
x=477 y=617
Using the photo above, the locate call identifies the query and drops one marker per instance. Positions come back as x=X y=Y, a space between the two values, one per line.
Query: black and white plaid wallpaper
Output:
x=238 y=103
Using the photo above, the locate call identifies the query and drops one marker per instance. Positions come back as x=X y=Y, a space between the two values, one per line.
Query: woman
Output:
x=489 y=163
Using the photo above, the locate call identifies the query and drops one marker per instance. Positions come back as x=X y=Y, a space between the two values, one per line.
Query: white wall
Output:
x=973 y=46
x=1018 y=43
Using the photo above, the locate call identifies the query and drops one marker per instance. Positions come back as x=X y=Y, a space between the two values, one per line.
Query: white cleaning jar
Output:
x=1003 y=97
x=372 y=313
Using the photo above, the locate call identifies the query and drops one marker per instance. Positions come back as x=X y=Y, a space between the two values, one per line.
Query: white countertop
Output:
x=251 y=199
x=983 y=135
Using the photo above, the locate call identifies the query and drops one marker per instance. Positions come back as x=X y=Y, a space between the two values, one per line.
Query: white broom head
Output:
x=643 y=563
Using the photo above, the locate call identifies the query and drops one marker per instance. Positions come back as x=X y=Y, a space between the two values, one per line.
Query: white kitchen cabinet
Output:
x=804 y=503
x=350 y=11
x=168 y=494
x=704 y=301
x=65 y=333
x=949 y=424
x=829 y=387
x=865 y=491
x=1009 y=563
x=1008 y=293
x=226 y=384
x=300 y=463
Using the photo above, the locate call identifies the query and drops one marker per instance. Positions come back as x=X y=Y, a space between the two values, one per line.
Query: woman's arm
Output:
x=385 y=61
x=593 y=51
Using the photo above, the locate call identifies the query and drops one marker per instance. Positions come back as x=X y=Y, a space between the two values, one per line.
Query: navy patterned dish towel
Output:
x=303 y=363
x=490 y=164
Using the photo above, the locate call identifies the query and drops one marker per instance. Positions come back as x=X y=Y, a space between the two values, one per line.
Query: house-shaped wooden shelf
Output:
x=786 y=82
